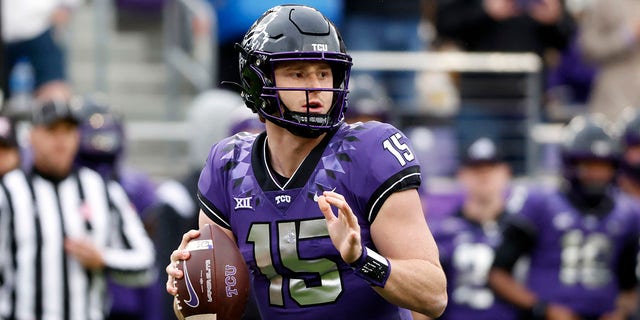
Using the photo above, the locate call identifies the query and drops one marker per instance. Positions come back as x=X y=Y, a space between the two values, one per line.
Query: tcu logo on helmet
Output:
x=320 y=47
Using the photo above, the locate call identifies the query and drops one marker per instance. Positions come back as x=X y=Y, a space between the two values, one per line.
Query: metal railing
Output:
x=500 y=63
x=190 y=47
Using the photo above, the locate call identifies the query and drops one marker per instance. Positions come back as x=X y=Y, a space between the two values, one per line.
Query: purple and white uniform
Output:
x=297 y=272
x=467 y=249
x=576 y=258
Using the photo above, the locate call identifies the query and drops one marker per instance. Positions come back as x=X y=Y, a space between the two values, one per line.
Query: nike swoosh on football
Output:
x=193 y=297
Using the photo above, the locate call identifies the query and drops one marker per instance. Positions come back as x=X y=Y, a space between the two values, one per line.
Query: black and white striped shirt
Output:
x=39 y=280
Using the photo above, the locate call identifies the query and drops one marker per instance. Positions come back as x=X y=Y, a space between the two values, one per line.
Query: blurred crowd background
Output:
x=452 y=70
x=152 y=80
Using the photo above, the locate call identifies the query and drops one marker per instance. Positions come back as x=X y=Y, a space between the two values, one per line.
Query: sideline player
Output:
x=314 y=203
x=468 y=236
x=582 y=239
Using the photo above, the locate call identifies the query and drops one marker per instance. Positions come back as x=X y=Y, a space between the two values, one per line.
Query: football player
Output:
x=102 y=148
x=326 y=214
x=468 y=237
x=581 y=239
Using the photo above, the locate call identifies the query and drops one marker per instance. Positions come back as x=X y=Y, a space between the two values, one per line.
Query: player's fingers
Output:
x=172 y=271
x=344 y=208
x=334 y=195
x=325 y=208
x=180 y=254
x=191 y=234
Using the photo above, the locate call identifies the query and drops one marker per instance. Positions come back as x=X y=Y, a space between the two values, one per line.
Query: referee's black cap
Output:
x=7 y=132
x=52 y=111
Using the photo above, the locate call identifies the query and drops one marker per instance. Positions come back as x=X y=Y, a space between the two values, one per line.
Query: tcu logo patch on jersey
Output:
x=283 y=198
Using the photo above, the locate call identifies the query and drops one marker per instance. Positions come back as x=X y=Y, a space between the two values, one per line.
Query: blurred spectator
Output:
x=582 y=239
x=505 y=25
x=102 y=147
x=629 y=178
x=569 y=84
x=468 y=236
x=9 y=151
x=367 y=100
x=177 y=210
x=31 y=32
x=387 y=26
x=610 y=37
x=234 y=19
x=492 y=103
x=65 y=229
x=570 y=77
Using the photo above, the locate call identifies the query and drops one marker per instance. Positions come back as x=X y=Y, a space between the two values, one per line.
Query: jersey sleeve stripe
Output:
x=211 y=211
x=405 y=179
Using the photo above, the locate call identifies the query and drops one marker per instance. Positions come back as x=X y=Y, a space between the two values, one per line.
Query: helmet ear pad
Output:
x=253 y=81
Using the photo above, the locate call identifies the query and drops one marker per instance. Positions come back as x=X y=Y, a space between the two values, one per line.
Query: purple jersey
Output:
x=297 y=272
x=575 y=257
x=467 y=249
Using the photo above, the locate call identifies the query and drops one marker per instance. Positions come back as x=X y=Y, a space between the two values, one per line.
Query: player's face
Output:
x=595 y=172
x=9 y=158
x=55 y=147
x=485 y=180
x=305 y=74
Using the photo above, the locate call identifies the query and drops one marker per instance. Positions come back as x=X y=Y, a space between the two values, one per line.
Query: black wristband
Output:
x=372 y=267
x=539 y=311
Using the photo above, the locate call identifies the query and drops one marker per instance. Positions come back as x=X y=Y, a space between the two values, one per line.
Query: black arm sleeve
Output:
x=517 y=240
x=626 y=268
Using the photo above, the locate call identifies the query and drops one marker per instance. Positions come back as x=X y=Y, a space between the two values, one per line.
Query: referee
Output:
x=64 y=229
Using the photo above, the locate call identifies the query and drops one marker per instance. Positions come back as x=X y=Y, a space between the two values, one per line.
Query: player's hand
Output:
x=546 y=11
x=85 y=252
x=174 y=273
x=501 y=9
x=560 y=312
x=344 y=229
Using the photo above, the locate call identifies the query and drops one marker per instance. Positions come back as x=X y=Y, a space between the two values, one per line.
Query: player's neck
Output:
x=288 y=150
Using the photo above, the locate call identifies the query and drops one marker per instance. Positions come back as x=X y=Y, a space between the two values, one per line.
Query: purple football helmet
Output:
x=292 y=33
x=587 y=137
x=102 y=138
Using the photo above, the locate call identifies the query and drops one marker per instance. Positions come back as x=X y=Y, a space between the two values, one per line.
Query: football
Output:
x=216 y=280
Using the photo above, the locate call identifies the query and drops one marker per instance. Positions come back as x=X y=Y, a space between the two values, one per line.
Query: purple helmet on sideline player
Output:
x=587 y=138
x=102 y=138
x=292 y=33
